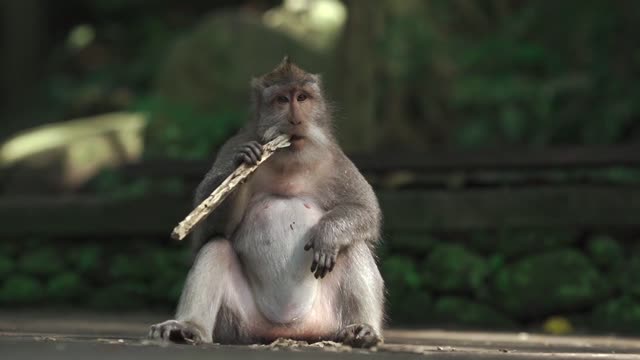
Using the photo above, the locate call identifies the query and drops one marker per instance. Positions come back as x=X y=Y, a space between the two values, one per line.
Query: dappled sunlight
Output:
x=317 y=23
x=84 y=146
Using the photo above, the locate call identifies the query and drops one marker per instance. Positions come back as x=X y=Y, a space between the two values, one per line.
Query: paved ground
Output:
x=29 y=335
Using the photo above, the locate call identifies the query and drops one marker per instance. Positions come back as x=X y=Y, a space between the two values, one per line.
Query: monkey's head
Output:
x=289 y=100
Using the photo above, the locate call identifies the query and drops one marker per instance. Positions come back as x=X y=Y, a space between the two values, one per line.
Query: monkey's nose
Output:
x=294 y=121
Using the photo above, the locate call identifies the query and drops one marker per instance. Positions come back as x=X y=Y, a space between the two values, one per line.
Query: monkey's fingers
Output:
x=159 y=332
x=328 y=265
x=189 y=336
x=248 y=156
x=152 y=332
x=308 y=246
x=316 y=258
x=324 y=269
x=166 y=333
x=256 y=148
x=333 y=258
x=364 y=332
x=241 y=158
x=346 y=336
x=321 y=269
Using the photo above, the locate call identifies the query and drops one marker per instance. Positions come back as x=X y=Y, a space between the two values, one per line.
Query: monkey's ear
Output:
x=257 y=88
x=257 y=83
x=317 y=78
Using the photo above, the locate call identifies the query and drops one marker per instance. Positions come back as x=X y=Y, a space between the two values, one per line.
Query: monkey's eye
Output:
x=282 y=99
x=302 y=97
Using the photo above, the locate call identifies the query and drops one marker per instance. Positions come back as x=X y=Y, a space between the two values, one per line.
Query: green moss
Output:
x=454 y=268
x=461 y=311
x=65 y=286
x=400 y=273
x=409 y=307
x=170 y=258
x=626 y=275
x=163 y=287
x=6 y=265
x=21 y=290
x=406 y=302
x=549 y=283
x=86 y=258
x=604 y=250
x=41 y=261
x=622 y=314
x=130 y=267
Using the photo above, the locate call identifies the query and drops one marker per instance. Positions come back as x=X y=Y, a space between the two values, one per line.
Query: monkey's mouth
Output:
x=296 y=141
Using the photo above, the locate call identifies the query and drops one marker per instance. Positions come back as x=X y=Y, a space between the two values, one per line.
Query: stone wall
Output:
x=490 y=280
x=516 y=279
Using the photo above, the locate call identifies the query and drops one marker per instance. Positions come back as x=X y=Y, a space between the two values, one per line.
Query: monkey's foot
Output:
x=358 y=336
x=176 y=331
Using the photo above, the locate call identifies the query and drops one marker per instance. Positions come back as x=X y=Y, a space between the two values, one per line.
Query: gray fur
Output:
x=251 y=278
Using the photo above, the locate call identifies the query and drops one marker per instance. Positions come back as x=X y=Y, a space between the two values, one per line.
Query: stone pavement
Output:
x=38 y=335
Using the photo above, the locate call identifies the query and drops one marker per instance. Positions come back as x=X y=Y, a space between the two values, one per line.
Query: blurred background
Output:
x=502 y=138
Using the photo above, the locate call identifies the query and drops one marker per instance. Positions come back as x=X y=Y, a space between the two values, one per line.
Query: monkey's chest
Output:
x=270 y=243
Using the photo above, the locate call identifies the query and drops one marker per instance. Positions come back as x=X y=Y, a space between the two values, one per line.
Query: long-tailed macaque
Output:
x=295 y=257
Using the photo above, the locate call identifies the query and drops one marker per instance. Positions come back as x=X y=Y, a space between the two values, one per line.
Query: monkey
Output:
x=294 y=253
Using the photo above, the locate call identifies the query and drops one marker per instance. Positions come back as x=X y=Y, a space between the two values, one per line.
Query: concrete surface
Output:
x=38 y=335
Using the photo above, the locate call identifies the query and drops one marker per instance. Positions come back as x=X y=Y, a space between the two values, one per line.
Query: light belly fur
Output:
x=270 y=243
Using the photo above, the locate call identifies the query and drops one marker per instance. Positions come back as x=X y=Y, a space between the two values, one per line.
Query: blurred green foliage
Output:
x=451 y=309
x=618 y=314
x=478 y=73
x=115 y=185
x=451 y=284
x=605 y=250
x=558 y=280
x=21 y=290
x=40 y=261
x=454 y=268
x=182 y=130
x=466 y=73
x=94 y=274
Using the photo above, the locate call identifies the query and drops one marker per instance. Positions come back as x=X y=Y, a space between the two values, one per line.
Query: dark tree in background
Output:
x=476 y=73
x=23 y=37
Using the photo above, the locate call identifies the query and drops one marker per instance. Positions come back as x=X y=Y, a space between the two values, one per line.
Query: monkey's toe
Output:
x=176 y=331
x=358 y=336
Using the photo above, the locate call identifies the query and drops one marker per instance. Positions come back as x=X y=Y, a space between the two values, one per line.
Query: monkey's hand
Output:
x=325 y=253
x=176 y=331
x=249 y=153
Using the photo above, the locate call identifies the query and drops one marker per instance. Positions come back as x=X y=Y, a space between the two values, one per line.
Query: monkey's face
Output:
x=289 y=100
x=295 y=109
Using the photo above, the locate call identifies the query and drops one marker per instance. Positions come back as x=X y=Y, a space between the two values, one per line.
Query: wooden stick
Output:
x=228 y=185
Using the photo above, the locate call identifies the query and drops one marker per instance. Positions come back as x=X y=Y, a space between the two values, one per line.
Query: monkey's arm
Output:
x=230 y=155
x=353 y=216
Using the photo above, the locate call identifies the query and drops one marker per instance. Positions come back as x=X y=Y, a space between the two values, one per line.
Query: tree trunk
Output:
x=356 y=85
x=22 y=30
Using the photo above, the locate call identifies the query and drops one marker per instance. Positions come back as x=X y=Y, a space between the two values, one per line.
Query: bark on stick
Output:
x=228 y=185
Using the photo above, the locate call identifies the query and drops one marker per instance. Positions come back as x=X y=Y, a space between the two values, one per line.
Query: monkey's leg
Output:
x=216 y=299
x=362 y=299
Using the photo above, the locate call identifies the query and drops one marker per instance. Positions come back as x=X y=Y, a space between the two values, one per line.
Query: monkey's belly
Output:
x=270 y=244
